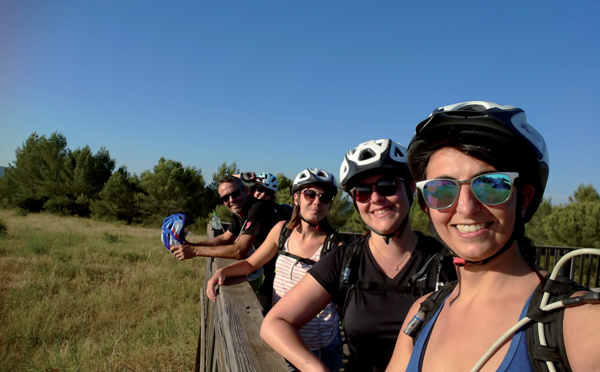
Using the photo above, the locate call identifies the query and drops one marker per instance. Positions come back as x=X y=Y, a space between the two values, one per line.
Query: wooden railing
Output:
x=229 y=339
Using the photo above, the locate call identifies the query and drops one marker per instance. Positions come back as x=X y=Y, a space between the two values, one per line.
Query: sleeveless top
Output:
x=321 y=330
x=515 y=360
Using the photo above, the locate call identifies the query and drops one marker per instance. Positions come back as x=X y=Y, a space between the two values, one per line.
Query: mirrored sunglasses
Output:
x=234 y=194
x=489 y=189
x=386 y=186
x=310 y=196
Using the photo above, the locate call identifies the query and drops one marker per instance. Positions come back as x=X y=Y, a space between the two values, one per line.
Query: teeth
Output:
x=380 y=211
x=470 y=228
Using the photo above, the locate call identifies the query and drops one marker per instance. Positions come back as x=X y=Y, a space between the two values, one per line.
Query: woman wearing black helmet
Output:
x=481 y=172
x=295 y=245
x=373 y=281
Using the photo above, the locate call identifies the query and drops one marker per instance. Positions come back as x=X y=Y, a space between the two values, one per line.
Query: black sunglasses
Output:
x=386 y=186
x=310 y=196
x=264 y=190
x=234 y=194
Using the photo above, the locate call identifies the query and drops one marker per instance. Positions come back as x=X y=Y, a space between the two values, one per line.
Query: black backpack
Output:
x=561 y=288
x=331 y=241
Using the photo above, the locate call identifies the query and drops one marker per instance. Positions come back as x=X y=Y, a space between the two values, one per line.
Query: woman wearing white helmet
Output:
x=297 y=244
x=481 y=172
x=373 y=281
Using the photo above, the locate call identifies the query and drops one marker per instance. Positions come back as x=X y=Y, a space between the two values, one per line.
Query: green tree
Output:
x=171 y=188
x=584 y=194
x=37 y=174
x=117 y=198
x=576 y=224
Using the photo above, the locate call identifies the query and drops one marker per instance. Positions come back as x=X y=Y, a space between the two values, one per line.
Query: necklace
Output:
x=402 y=261
x=397 y=268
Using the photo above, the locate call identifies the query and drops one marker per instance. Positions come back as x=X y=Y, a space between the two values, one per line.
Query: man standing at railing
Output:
x=251 y=223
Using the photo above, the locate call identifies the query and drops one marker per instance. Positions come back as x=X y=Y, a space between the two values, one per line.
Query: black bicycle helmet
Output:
x=315 y=176
x=504 y=128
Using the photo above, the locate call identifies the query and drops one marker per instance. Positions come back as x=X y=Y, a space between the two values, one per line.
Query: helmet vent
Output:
x=367 y=154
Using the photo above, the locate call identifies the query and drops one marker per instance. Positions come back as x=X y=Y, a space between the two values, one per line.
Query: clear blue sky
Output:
x=280 y=86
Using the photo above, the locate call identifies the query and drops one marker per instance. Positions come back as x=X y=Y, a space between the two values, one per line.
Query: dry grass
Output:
x=82 y=295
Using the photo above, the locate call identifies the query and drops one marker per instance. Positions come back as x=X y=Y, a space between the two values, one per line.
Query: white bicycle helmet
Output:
x=267 y=180
x=315 y=176
x=373 y=157
x=472 y=120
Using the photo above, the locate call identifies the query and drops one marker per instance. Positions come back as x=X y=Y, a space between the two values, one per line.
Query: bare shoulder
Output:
x=581 y=329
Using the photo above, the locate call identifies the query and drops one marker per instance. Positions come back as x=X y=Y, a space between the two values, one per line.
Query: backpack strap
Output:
x=552 y=321
x=331 y=241
x=427 y=309
x=349 y=273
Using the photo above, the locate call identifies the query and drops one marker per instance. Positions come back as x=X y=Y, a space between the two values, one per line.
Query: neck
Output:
x=406 y=242
x=497 y=274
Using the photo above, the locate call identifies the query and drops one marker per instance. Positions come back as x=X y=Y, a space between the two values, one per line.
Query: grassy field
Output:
x=82 y=295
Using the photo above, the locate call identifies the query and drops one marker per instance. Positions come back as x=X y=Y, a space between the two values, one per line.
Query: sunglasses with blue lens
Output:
x=489 y=189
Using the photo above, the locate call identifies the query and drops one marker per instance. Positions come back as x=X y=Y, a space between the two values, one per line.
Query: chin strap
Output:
x=395 y=234
x=316 y=226
x=461 y=262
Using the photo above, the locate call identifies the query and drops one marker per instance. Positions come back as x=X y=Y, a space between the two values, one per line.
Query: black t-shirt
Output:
x=261 y=216
x=373 y=317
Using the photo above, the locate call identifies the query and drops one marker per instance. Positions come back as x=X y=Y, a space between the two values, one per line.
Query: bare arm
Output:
x=263 y=254
x=580 y=333
x=404 y=343
x=280 y=327
x=232 y=247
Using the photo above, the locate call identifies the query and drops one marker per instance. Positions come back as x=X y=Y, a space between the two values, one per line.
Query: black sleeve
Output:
x=327 y=271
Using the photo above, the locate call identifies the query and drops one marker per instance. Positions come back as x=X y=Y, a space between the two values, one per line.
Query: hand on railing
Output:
x=217 y=278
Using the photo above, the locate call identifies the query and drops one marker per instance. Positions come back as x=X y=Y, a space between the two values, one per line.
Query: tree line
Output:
x=47 y=176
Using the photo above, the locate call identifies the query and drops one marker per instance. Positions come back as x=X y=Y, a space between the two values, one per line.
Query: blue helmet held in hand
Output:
x=173 y=230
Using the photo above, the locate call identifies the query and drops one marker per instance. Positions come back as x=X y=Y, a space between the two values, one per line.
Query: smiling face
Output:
x=471 y=229
x=313 y=210
x=234 y=204
x=384 y=214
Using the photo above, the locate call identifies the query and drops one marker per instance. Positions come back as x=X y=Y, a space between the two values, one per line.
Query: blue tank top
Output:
x=515 y=360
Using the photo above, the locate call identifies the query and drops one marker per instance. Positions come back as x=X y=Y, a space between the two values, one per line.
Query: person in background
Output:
x=304 y=241
x=266 y=186
x=251 y=223
x=481 y=172
x=373 y=281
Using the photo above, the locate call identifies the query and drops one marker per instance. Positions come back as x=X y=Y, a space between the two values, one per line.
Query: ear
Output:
x=295 y=196
x=528 y=193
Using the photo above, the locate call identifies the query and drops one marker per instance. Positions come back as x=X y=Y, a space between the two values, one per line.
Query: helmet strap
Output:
x=316 y=226
x=395 y=234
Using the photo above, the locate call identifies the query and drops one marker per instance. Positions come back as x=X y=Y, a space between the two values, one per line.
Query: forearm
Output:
x=238 y=268
x=284 y=338
x=224 y=251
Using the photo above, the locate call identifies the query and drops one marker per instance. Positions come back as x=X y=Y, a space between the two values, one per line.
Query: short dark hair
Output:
x=231 y=179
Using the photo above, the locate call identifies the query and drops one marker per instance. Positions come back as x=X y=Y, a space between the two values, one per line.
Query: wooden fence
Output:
x=229 y=339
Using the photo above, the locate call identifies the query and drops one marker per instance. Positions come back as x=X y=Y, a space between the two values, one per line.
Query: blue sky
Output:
x=280 y=86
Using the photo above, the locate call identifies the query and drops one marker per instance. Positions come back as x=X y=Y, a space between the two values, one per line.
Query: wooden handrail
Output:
x=229 y=339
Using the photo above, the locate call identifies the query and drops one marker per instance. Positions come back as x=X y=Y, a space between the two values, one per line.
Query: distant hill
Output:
x=2 y=170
